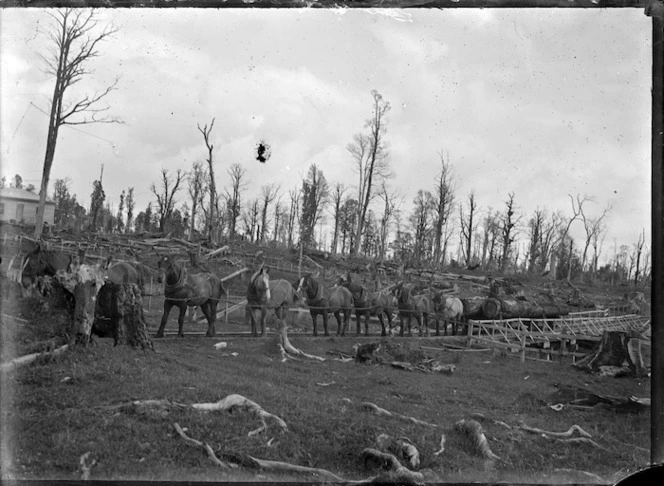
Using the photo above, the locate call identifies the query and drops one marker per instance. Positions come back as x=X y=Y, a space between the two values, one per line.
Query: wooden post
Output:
x=470 y=332
x=523 y=342
x=561 y=352
x=226 y=318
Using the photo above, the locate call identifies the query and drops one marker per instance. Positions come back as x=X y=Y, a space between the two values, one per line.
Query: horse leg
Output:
x=425 y=319
x=249 y=319
x=358 y=327
x=263 y=311
x=183 y=312
x=314 y=318
x=341 y=325
x=325 y=316
x=168 y=304
x=210 y=313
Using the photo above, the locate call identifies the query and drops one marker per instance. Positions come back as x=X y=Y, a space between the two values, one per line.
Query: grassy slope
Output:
x=56 y=417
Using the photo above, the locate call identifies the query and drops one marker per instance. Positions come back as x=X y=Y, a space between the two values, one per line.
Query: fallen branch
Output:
x=569 y=433
x=232 y=402
x=223 y=249
x=29 y=358
x=381 y=411
x=197 y=443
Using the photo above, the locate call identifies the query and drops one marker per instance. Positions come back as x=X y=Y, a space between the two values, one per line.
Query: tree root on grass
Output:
x=288 y=350
x=208 y=449
x=381 y=411
x=569 y=433
x=397 y=472
x=232 y=402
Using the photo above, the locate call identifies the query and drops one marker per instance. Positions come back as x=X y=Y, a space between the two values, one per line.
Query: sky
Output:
x=539 y=102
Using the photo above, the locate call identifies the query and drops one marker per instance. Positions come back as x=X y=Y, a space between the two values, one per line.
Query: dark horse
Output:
x=186 y=290
x=282 y=297
x=258 y=296
x=42 y=261
x=418 y=306
x=369 y=304
x=323 y=301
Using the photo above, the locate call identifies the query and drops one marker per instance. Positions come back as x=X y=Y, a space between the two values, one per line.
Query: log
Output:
x=218 y=251
x=508 y=307
x=472 y=307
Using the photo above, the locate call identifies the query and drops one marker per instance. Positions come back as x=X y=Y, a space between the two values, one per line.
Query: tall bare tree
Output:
x=166 y=195
x=508 y=228
x=443 y=201
x=234 y=196
x=315 y=192
x=421 y=221
x=535 y=227
x=212 y=187
x=337 y=199
x=268 y=193
x=130 y=209
x=293 y=211
x=468 y=226
x=591 y=227
x=638 y=250
x=371 y=159
x=197 y=188
x=73 y=45
x=389 y=209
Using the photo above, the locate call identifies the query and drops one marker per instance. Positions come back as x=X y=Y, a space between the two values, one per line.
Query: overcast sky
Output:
x=539 y=102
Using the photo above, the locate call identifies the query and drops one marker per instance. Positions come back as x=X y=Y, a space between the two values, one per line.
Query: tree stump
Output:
x=617 y=348
x=120 y=316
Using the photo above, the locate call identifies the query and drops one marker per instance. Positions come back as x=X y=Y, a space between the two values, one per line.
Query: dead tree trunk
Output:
x=617 y=348
x=120 y=316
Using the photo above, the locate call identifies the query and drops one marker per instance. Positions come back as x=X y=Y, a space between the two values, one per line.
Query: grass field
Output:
x=54 y=412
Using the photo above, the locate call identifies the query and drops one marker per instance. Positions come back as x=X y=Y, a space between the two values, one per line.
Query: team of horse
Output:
x=198 y=287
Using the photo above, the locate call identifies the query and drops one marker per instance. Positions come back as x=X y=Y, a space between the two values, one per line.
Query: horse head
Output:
x=259 y=284
x=166 y=265
x=308 y=286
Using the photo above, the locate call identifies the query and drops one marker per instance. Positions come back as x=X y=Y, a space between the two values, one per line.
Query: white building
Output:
x=21 y=206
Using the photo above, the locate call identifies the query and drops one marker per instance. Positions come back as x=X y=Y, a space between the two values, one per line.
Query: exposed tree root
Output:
x=86 y=465
x=473 y=430
x=206 y=447
x=442 y=446
x=277 y=466
x=397 y=472
x=402 y=448
x=288 y=350
x=232 y=402
x=381 y=411
x=569 y=433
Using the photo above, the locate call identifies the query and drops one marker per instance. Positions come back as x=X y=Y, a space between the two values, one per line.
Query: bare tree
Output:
x=130 y=209
x=638 y=250
x=508 y=228
x=389 y=209
x=166 y=195
x=370 y=154
x=250 y=220
x=268 y=193
x=73 y=45
x=120 y=221
x=535 y=226
x=337 y=199
x=591 y=226
x=197 y=189
x=551 y=230
x=468 y=227
x=314 y=197
x=293 y=211
x=234 y=196
x=421 y=221
x=212 y=187
x=443 y=200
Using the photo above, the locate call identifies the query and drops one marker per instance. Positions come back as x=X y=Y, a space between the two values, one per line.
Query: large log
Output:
x=507 y=307
x=472 y=307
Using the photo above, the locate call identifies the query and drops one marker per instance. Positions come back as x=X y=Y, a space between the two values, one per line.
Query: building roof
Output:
x=22 y=194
